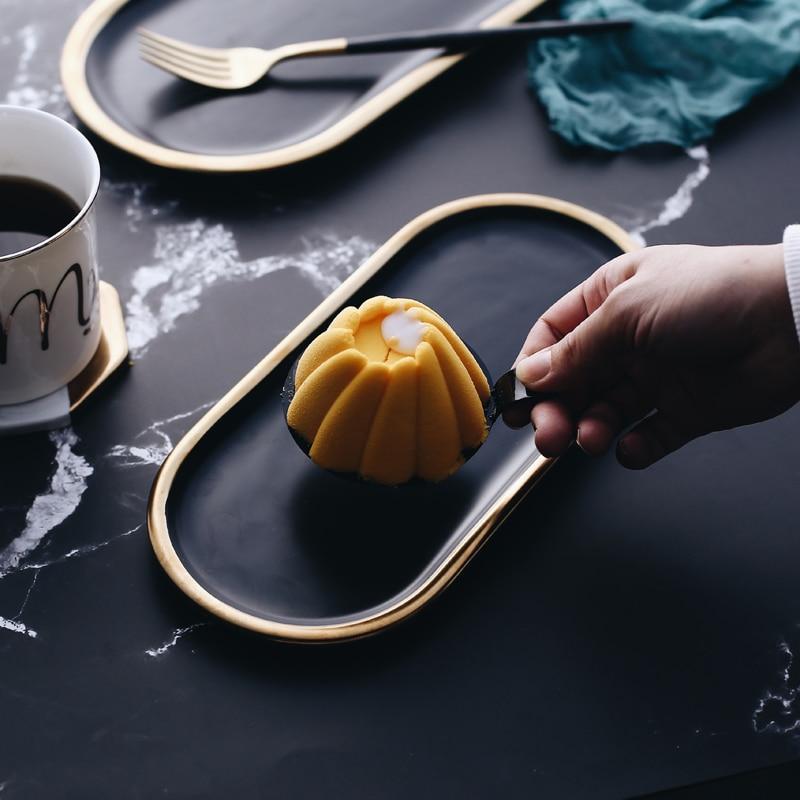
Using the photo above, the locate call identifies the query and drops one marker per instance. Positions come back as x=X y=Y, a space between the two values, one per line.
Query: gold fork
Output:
x=239 y=67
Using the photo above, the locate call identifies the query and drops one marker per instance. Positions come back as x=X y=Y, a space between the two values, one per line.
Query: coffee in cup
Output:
x=49 y=309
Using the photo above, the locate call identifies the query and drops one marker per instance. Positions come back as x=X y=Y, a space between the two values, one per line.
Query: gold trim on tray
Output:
x=492 y=517
x=92 y=21
x=111 y=351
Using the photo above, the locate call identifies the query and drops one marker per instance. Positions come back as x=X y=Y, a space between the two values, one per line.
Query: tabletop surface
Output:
x=621 y=634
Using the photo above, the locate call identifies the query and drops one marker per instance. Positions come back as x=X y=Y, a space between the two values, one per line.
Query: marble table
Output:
x=623 y=633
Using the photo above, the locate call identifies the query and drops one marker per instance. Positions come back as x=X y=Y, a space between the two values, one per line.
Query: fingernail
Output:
x=535 y=367
x=634 y=451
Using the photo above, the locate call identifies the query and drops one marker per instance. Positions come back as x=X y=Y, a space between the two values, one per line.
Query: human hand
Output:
x=703 y=337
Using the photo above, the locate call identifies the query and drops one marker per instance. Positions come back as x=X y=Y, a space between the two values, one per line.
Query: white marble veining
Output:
x=153 y=444
x=77 y=552
x=178 y=634
x=52 y=507
x=48 y=510
x=38 y=88
x=14 y=624
x=27 y=595
x=678 y=204
x=778 y=709
x=17 y=627
x=136 y=208
x=189 y=258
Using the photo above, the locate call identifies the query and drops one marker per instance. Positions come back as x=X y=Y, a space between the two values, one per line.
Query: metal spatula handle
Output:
x=509 y=392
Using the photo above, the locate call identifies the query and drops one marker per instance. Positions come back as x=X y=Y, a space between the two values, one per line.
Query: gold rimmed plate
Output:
x=306 y=108
x=254 y=532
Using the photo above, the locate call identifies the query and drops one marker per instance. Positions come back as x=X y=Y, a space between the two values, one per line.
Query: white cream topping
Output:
x=402 y=332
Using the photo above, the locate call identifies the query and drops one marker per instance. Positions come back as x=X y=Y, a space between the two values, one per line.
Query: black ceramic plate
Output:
x=304 y=108
x=249 y=527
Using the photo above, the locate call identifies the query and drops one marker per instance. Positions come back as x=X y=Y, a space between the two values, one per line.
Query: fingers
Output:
x=576 y=340
x=603 y=421
x=573 y=308
x=591 y=357
x=598 y=428
x=651 y=440
x=552 y=422
x=583 y=339
x=518 y=415
x=554 y=426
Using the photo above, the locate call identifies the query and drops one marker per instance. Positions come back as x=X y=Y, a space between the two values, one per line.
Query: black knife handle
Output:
x=460 y=40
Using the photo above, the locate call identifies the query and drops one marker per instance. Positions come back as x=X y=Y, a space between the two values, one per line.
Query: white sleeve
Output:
x=791 y=263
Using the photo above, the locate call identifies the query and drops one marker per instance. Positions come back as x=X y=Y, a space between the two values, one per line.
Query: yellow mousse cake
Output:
x=390 y=392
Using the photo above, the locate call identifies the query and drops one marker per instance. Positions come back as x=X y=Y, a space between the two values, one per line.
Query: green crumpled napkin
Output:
x=684 y=66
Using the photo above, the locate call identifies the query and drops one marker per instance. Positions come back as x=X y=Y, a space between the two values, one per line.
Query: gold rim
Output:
x=492 y=517
x=98 y=14
x=85 y=208
x=111 y=351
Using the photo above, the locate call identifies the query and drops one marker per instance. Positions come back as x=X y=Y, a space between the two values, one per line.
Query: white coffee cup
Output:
x=49 y=308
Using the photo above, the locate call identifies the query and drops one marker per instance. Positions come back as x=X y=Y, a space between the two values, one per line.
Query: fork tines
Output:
x=201 y=64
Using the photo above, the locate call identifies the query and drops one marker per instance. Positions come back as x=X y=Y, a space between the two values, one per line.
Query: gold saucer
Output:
x=111 y=352
x=54 y=410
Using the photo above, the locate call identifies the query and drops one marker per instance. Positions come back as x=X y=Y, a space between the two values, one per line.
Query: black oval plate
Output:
x=303 y=108
x=249 y=527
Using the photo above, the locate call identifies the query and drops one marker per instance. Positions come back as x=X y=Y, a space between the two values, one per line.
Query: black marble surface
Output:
x=621 y=634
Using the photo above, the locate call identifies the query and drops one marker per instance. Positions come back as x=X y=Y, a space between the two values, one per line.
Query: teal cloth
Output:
x=685 y=65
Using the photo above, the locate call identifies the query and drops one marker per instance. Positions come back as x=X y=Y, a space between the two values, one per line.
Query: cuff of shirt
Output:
x=791 y=263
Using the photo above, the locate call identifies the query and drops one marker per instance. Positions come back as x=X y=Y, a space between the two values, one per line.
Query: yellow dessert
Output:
x=390 y=392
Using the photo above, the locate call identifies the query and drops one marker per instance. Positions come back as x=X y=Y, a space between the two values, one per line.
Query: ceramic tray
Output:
x=252 y=530
x=306 y=108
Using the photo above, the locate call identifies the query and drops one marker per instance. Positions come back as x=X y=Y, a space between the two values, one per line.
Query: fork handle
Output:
x=460 y=40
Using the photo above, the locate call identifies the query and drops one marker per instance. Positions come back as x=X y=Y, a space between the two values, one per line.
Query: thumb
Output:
x=593 y=353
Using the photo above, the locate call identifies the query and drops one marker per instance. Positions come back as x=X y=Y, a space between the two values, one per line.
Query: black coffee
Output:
x=30 y=212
